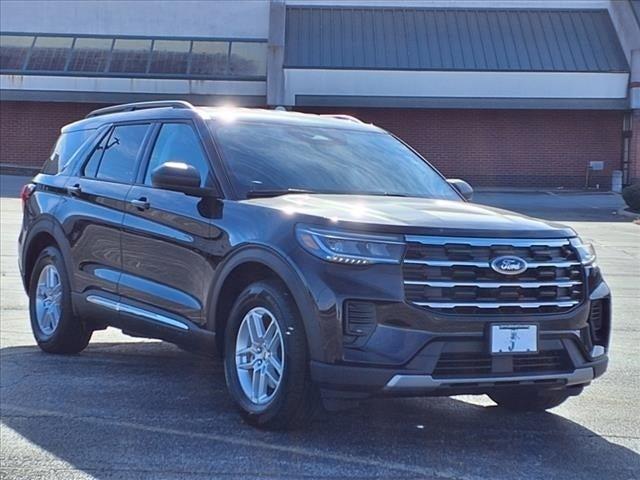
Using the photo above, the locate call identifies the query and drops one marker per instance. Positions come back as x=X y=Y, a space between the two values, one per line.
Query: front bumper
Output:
x=414 y=362
x=365 y=381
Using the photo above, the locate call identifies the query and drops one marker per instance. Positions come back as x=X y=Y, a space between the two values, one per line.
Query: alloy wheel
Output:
x=48 y=299
x=259 y=356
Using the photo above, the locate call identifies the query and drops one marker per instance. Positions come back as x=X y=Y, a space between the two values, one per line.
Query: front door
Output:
x=167 y=236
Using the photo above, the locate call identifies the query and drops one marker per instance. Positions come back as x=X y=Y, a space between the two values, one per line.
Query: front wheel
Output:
x=529 y=400
x=266 y=359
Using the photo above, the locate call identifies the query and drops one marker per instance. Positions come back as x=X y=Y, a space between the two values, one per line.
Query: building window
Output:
x=90 y=54
x=132 y=57
x=248 y=59
x=50 y=54
x=209 y=58
x=13 y=51
x=170 y=56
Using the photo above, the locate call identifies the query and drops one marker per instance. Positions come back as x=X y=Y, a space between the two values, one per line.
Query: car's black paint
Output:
x=173 y=254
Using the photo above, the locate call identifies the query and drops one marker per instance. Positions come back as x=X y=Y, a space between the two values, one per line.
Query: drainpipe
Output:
x=275 y=53
x=631 y=145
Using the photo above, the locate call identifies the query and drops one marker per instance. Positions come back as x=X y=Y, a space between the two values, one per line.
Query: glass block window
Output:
x=90 y=54
x=130 y=56
x=210 y=58
x=170 y=56
x=13 y=51
x=50 y=53
x=248 y=59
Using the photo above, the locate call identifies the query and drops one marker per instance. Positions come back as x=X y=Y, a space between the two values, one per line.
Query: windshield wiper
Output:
x=265 y=193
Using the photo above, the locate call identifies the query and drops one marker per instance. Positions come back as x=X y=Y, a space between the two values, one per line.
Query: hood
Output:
x=411 y=215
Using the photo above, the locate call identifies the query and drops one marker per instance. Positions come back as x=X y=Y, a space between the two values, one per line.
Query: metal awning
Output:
x=381 y=38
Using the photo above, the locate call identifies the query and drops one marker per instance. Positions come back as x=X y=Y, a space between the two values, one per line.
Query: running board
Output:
x=140 y=322
x=139 y=312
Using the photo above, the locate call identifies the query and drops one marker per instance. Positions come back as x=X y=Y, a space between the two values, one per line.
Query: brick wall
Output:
x=28 y=130
x=522 y=148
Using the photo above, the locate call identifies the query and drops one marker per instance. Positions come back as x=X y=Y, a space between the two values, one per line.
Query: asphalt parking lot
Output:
x=127 y=408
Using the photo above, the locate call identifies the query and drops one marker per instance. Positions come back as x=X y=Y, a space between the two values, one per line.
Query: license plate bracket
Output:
x=513 y=339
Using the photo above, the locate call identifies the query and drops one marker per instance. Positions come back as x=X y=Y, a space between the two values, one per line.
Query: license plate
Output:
x=514 y=338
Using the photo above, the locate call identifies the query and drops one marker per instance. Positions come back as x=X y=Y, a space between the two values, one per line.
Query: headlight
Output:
x=586 y=252
x=350 y=248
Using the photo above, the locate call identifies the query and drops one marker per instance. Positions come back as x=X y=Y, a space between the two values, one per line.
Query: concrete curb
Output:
x=19 y=170
x=542 y=191
x=626 y=213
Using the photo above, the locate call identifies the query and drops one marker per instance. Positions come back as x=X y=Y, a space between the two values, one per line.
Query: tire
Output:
x=292 y=402
x=49 y=280
x=529 y=400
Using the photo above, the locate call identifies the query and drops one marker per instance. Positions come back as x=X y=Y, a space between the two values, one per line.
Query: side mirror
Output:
x=179 y=177
x=461 y=186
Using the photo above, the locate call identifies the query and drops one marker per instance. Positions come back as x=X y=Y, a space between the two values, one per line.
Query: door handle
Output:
x=141 y=203
x=74 y=190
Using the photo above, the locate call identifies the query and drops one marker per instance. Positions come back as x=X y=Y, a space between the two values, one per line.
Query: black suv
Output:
x=322 y=257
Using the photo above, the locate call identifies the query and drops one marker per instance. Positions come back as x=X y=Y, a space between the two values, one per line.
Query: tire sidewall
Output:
x=50 y=256
x=261 y=295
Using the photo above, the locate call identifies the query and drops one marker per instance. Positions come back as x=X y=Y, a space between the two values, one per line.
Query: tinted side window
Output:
x=118 y=162
x=90 y=168
x=178 y=142
x=67 y=145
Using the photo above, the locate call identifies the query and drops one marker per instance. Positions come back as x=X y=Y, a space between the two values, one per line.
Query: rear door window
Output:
x=119 y=154
x=90 y=168
x=67 y=145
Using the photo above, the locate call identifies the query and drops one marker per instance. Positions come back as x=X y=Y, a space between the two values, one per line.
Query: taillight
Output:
x=26 y=192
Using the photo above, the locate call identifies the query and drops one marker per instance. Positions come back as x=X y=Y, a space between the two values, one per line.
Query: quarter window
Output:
x=66 y=147
x=177 y=142
x=120 y=153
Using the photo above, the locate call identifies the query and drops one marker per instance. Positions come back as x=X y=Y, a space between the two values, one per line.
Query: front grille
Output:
x=453 y=275
x=478 y=364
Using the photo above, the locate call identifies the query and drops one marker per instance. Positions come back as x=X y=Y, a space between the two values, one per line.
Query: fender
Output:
x=290 y=275
x=50 y=225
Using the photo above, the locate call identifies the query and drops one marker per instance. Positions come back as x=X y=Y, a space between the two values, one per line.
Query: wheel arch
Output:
x=45 y=233
x=249 y=265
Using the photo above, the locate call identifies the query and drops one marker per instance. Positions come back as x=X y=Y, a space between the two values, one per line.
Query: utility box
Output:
x=616 y=181
x=596 y=165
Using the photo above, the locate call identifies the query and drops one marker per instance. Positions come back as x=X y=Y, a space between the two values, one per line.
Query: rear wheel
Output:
x=54 y=326
x=529 y=400
x=266 y=359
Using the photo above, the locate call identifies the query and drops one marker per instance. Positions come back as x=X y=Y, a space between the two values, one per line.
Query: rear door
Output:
x=167 y=235
x=93 y=214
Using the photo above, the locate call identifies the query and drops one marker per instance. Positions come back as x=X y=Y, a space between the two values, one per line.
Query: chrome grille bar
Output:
x=438 y=284
x=489 y=242
x=464 y=263
x=561 y=304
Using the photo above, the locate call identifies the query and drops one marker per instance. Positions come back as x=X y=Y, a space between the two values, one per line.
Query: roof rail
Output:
x=129 y=107
x=341 y=116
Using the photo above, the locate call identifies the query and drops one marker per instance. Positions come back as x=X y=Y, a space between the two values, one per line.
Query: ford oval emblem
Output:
x=509 y=265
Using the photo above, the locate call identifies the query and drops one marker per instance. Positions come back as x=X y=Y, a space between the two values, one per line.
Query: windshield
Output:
x=280 y=157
